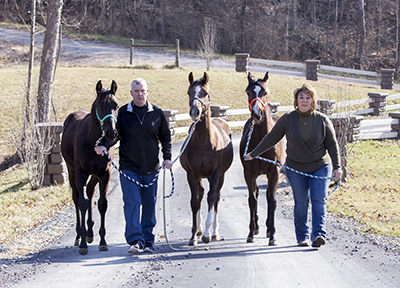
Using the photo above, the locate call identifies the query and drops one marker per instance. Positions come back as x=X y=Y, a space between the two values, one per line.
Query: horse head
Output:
x=257 y=93
x=105 y=110
x=199 y=96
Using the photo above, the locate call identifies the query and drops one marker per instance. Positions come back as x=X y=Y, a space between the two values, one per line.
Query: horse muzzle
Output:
x=194 y=113
x=111 y=134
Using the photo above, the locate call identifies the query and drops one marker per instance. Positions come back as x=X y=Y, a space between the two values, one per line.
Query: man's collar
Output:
x=131 y=104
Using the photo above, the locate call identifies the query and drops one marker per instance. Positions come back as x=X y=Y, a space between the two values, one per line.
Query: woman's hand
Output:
x=337 y=174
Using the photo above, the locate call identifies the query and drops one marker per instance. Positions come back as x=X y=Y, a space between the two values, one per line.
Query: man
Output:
x=141 y=127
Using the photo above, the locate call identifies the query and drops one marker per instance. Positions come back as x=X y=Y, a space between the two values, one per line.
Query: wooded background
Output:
x=361 y=34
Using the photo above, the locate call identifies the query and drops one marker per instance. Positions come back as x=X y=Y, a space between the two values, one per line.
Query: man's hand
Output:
x=168 y=164
x=100 y=150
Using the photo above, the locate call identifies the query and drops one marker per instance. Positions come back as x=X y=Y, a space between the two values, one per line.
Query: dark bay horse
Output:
x=208 y=154
x=257 y=92
x=81 y=132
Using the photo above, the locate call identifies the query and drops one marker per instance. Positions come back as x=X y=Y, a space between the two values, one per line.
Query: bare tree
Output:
x=48 y=61
x=362 y=33
x=208 y=42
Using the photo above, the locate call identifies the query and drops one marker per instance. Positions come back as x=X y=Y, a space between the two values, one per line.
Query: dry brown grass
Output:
x=73 y=89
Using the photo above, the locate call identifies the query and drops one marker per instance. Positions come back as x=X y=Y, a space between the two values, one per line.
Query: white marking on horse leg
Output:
x=199 y=226
x=215 y=234
x=209 y=222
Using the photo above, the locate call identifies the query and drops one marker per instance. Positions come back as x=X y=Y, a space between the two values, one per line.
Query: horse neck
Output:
x=267 y=123
x=94 y=132
x=204 y=126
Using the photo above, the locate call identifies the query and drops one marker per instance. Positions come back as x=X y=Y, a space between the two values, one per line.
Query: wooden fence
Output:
x=380 y=128
x=312 y=70
x=176 y=45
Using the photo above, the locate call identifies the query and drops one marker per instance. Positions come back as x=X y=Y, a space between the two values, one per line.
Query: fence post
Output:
x=170 y=116
x=177 y=52
x=325 y=106
x=242 y=62
x=218 y=111
x=378 y=102
x=387 y=76
x=55 y=170
x=131 y=52
x=395 y=126
x=312 y=70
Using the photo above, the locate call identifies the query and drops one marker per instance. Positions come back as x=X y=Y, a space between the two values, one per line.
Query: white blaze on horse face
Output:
x=256 y=90
x=196 y=95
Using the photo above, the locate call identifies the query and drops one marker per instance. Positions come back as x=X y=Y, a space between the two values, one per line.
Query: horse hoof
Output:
x=199 y=233
x=215 y=238
x=192 y=242
x=272 y=242
x=205 y=240
x=103 y=248
x=83 y=251
x=250 y=239
x=76 y=243
x=89 y=239
x=256 y=231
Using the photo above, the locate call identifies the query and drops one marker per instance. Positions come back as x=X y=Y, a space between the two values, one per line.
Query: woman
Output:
x=310 y=135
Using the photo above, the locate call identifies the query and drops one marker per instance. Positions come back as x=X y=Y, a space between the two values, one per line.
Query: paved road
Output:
x=346 y=261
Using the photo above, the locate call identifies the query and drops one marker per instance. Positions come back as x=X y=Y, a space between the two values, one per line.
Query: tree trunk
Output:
x=30 y=67
x=48 y=61
x=362 y=33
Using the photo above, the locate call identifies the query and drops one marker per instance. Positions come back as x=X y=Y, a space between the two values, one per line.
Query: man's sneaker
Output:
x=136 y=247
x=318 y=242
x=303 y=243
x=149 y=247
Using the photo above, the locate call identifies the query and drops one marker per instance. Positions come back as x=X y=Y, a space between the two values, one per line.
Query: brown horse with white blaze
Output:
x=81 y=132
x=262 y=122
x=208 y=154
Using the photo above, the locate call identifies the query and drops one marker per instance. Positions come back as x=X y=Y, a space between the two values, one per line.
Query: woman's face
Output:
x=304 y=101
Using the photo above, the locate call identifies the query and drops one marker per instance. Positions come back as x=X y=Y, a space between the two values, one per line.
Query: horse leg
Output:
x=90 y=192
x=253 y=204
x=273 y=179
x=197 y=191
x=75 y=194
x=213 y=198
x=83 y=204
x=102 y=205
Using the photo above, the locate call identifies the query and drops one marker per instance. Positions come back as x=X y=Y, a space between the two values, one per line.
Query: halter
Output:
x=202 y=103
x=104 y=118
x=259 y=100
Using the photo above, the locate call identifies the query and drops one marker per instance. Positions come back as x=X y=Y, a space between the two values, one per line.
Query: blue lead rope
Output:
x=286 y=167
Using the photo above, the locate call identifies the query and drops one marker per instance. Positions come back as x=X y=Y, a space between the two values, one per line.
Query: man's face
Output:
x=139 y=94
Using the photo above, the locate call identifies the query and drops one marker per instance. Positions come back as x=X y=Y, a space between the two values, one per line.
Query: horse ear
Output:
x=265 y=77
x=99 y=87
x=113 y=87
x=206 y=78
x=250 y=77
x=191 y=79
